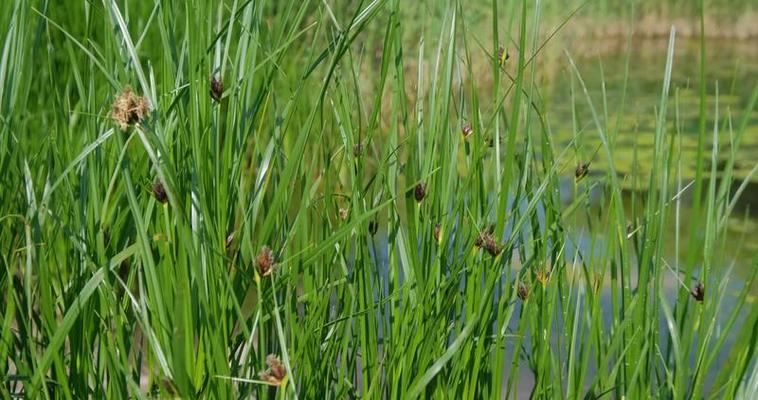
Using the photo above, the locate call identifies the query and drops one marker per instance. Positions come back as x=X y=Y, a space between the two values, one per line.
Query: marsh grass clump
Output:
x=242 y=219
x=129 y=109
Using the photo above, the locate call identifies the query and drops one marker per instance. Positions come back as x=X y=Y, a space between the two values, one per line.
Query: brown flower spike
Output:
x=129 y=109
x=159 y=192
x=275 y=373
x=698 y=292
x=265 y=261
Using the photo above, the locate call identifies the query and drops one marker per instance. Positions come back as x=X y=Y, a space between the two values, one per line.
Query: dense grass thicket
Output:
x=319 y=199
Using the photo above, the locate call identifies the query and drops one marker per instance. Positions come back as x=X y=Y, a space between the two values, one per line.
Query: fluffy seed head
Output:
x=129 y=109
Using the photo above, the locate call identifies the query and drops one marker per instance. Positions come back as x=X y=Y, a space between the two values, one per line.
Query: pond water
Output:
x=732 y=74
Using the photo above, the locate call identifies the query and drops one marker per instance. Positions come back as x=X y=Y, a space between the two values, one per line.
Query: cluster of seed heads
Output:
x=275 y=373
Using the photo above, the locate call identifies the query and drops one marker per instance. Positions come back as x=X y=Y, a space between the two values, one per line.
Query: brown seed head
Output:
x=217 y=87
x=276 y=372
x=344 y=212
x=419 y=192
x=437 y=232
x=698 y=292
x=523 y=291
x=467 y=130
x=581 y=171
x=492 y=247
x=159 y=192
x=487 y=242
x=128 y=109
x=265 y=261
